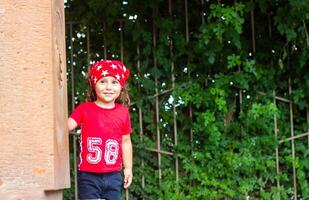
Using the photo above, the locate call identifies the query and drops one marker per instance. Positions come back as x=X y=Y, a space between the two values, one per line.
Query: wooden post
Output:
x=34 y=153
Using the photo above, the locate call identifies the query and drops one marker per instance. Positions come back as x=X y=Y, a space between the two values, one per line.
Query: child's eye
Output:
x=115 y=82
x=102 y=81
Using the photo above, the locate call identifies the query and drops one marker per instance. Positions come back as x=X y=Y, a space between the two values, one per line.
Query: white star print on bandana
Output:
x=104 y=68
x=104 y=72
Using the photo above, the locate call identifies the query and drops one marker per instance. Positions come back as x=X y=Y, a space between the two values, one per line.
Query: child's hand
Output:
x=128 y=176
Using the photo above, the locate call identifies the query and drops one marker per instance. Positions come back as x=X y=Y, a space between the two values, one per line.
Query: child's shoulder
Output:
x=87 y=103
x=84 y=104
x=122 y=107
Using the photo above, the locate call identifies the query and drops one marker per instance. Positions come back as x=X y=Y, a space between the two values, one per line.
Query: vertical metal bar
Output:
x=175 y=127
x=292 y=141
x=203 y=22
x=308 y=123
x=189 y=76
x=170 y=7
x=240 y=105
x=269 y=25
x=140 y=118
x=88 y=47
x=72 y=67
x=73 y=107
x=241 y=110
x=275 y=121
x=75 y=140
x=187 y=20
x=253 y=31
x=174 y=106
x=121 y=58
x=121 y=40
x=203 y=11
x=157 y=97
x=240 y=100
x=277 y=149
x=104 y=40
x=188 y=40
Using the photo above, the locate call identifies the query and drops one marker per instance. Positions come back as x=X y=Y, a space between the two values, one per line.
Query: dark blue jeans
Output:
x=99 y=185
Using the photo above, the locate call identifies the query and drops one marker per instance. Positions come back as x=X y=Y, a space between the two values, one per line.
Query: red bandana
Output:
x=104 y=68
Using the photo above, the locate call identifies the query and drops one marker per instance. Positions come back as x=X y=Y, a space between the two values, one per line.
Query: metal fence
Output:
x=72 y=28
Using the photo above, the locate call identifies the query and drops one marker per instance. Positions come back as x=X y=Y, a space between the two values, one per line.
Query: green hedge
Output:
x=232 y=154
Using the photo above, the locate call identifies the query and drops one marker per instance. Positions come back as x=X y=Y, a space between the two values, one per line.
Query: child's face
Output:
x=108 y=90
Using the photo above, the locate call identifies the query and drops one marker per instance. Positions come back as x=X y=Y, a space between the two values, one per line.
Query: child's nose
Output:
x=108 y=85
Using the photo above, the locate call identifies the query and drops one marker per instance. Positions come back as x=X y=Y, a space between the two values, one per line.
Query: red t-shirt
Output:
x=102 y=130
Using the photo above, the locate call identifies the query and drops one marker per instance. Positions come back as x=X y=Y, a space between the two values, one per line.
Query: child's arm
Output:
x=71 y=124
x=127 y=155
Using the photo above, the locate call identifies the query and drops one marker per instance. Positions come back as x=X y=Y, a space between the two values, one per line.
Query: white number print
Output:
x=111 y=152
x=95 y=154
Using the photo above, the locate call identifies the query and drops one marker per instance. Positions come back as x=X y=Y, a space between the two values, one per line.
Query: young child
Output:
x=105 y=143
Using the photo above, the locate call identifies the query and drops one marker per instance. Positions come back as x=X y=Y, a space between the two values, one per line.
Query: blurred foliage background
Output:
x=209 y=71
